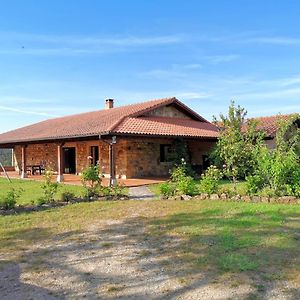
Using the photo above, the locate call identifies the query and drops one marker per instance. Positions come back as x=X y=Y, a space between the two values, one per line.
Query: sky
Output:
x=65 y=57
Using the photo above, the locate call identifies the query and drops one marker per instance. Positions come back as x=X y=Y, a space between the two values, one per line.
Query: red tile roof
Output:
x=98 y=122
x=269 y=125
x=166 y=126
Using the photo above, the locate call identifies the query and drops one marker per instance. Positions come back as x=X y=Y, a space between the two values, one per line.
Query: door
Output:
x=69 y=160
x=95 y=155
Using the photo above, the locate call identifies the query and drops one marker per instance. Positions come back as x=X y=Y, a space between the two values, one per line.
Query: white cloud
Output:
x=23 y=111
x=284 y=41
x=32 y=44
x=216 y=59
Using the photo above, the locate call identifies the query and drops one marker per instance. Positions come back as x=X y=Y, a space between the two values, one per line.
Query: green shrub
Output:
x=113 y=191
x=186 y=186
x=67 y=196
x=181 y=183
x=167 y=189
x=267 y=192
x=254 y=183
x=9 y=201
x=209 y=182
x=91 y=179
x=49 y=187
x=40 y=201
x=179 y=173
x=117 y=190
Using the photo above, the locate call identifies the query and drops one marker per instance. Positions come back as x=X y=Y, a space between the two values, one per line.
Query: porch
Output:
x=73 y=179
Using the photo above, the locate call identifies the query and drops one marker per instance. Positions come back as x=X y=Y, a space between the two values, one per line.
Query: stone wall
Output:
x=134 y=157
x=143 y=156
x=198 y=149
x=167 y=111
x=37 y=154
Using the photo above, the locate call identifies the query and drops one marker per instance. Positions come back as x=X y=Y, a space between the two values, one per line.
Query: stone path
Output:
x=141 y=193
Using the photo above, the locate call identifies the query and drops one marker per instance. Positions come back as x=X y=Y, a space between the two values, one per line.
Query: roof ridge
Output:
x=273 y=116
x=138 y=113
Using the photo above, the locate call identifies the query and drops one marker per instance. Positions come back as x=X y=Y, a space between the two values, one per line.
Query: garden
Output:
x=244 y=168
x=31 y=195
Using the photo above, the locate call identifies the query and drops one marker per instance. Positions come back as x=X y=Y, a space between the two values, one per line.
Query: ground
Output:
x=152 y=249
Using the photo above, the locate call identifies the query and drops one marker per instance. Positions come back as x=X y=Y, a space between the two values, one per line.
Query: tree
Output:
x=277 y=171
x=236 y=146
x=6 y=157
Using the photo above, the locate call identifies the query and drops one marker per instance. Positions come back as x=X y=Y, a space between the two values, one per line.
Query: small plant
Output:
x=67 y=196
x=40 y=201
x=209 y=182
x=167 y=189
x=180 y=183
x=91 y=179
x=9 y=201
x=186 y=186
x=113 y=191
x=254 y=183
x=49 y=188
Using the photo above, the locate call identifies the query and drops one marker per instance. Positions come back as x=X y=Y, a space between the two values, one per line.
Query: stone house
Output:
x=133 y=141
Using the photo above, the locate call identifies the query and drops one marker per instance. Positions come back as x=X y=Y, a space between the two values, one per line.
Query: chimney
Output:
x=109 y=103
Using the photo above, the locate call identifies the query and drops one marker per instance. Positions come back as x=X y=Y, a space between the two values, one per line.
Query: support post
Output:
x=24 y=167
x=60 y=168
x=112 y=166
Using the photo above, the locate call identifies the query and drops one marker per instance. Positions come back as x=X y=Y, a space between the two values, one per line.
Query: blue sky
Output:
x=64 y=57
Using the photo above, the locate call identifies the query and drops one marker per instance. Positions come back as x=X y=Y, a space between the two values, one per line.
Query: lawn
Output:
x=32 y=189
x=231 y=244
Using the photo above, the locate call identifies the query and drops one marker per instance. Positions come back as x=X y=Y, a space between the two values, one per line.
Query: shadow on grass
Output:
x=169 y=257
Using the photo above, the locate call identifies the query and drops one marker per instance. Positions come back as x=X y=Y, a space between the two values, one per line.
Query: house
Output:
x=133 y=141
x=269 y=126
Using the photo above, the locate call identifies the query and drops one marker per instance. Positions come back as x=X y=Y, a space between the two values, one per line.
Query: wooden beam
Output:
x=112 y=166
x=60 y=162
x=24 y=166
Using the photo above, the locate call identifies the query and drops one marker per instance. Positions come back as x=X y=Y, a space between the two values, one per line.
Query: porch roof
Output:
x=113 y=121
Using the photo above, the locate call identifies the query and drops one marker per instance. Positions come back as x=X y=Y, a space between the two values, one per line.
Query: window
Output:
x=166 y=153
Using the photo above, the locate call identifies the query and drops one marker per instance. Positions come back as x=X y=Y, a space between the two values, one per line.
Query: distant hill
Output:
x=5 y=157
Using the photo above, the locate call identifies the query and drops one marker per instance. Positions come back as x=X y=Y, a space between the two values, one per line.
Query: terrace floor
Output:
x=75 y=179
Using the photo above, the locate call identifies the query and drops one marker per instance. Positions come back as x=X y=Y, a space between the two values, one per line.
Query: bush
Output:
x=9 y=201
x=91 y=179
x=167 y=189
x=254 y=183
x=67 y=196
x=40 y=201
x=49 y=188
x=180 y=183
x=209 y=182
x=113 y=191
x=186 y=186
x=277 y=171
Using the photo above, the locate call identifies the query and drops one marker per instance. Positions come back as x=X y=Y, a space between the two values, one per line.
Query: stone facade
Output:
x=37 y=154
x=167 y=111
x=134 y=157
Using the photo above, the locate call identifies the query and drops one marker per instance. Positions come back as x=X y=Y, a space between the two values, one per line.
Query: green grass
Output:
x=257 y=240
x=33 y=191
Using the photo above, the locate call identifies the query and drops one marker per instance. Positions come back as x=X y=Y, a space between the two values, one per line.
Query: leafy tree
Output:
x=235 y=149
x=6 y=157
x=278 y=171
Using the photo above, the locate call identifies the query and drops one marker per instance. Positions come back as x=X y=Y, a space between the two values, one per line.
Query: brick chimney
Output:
x=109 y=103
